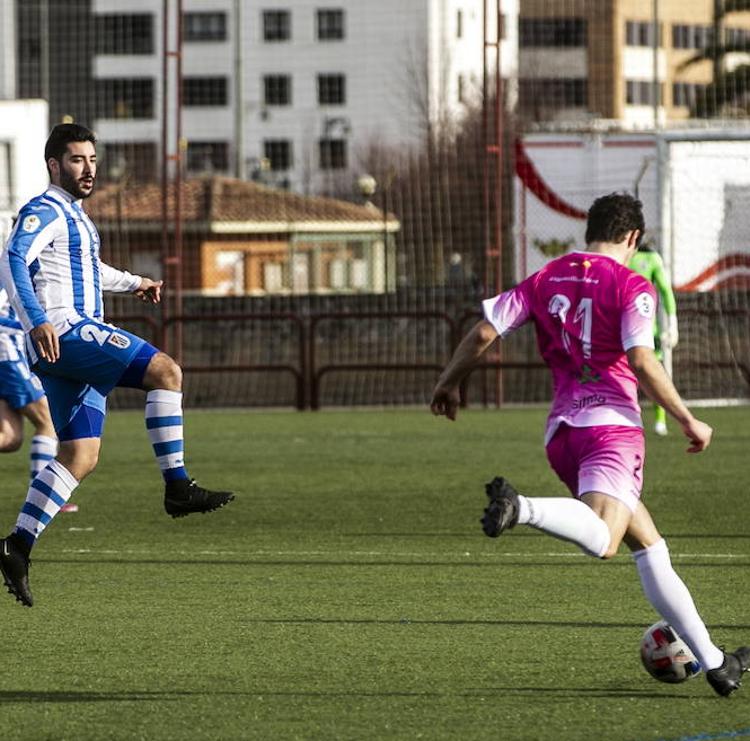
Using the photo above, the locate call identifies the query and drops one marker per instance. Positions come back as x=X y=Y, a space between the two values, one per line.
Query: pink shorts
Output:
x=607 y=459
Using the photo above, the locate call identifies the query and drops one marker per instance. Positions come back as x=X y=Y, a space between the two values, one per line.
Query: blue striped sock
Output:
x=43 y=450
x=47 y=493
x=164 y=426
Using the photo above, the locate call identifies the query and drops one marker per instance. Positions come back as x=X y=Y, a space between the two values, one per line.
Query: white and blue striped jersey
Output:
x=51 y=267
x=11 y=332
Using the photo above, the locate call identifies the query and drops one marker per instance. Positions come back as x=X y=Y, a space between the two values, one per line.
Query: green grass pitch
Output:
x=348 y=592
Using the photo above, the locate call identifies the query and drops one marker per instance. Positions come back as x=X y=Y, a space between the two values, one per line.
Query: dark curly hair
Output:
x=611 y=217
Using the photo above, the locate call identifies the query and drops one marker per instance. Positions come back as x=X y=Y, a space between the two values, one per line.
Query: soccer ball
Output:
x=666 y=656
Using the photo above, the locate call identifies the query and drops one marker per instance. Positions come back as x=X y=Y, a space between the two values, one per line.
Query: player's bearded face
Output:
x=78 y=169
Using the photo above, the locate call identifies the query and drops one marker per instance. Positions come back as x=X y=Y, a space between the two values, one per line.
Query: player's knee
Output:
x=10 y=442
x=164 y=373
x=80 y=461
x=172 y=375
x=83 y=464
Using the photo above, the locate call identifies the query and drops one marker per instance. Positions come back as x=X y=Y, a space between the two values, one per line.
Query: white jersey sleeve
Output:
x=118 y=281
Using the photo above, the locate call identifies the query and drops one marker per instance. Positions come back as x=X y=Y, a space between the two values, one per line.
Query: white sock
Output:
x=567 y=519
x=43 y=450
x=671 y=599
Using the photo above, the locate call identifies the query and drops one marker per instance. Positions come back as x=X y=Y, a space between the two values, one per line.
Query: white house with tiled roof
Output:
x=242 y=238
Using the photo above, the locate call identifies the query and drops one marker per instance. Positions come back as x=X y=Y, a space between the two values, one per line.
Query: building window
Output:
x=331 y=89
x=702 y=37
x=691 y=37
x=686 y=93
x=278 y=152
x=204 y=91
x=739 y=38
x=552 y=32
x=204 y=27
x=125 y=98
x=124 y=34
x=203 y=157
x=332 y=154
x=553 y=92
x=461 y=89
x=459 y=24
x=277 y=89
x=277 y=25
x=680 y=37
x=641 y=92
x=128 y=162
x=330 y=25
x=641 y=33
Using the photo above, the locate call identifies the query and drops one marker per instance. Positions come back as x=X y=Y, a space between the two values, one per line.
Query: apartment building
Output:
x=53 y=45
x=584 y=59
x=295 y=93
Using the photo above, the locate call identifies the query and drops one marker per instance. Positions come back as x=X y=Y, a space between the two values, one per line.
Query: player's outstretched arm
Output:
x=446 y=395
x=659 y=388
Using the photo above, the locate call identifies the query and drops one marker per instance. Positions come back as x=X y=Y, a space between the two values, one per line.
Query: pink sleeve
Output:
x=638 y=315
x=508 y=311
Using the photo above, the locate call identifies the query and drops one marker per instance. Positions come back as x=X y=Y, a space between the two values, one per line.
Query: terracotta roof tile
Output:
x=216 y=198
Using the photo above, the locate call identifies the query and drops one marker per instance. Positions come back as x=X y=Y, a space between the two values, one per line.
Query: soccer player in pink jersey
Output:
x=594 y=324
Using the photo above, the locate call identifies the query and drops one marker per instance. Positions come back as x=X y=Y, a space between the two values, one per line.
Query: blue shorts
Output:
x=18 y=385
x=94 y=359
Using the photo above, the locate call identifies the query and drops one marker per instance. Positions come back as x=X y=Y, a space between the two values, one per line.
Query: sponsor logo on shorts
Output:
x=593 y=400
x=119 y=340
x=31 y=223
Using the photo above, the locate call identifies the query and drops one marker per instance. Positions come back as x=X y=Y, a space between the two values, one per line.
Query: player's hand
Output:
x=671 y=336
x=149 y=290
x=445 y=401
x=699 y=434
x=47 y=342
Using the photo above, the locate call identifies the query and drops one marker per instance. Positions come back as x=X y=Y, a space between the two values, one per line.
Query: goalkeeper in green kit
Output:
x=648 y=263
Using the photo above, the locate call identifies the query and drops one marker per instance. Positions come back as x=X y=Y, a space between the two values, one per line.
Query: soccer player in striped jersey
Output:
x=54 y=277
x=648 y=263
x=594 y=324
x=22 y=395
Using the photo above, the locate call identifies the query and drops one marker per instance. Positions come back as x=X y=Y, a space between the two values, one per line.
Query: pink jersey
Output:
x=588 y=310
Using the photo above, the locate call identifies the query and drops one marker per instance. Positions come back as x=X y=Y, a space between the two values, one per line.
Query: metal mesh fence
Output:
x=328 y=191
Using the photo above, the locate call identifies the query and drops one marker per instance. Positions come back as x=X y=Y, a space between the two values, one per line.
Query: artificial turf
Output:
x=348 y=592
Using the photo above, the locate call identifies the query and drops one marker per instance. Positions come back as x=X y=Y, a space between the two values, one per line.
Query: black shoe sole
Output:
x=725 y=690
x=503 y=500
x=177 y=512
x=13 y=590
